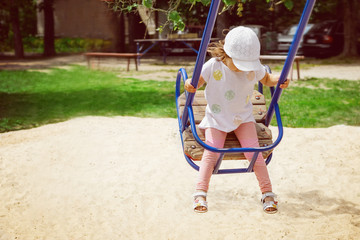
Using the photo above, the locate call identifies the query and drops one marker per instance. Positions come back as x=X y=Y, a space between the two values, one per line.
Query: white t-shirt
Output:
x=228 y=96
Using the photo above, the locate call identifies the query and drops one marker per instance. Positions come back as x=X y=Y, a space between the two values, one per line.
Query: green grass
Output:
x=62 y=45
x=318 y=102
x=29 y=99
x=33 y=98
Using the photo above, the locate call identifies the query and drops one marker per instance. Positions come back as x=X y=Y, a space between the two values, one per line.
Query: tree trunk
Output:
x=49 y=28
x=350 y=27
x=136 y=30
x=15 y=22
x=222 y=22
x=119 y=32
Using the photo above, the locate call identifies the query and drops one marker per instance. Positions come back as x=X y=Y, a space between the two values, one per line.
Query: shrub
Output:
x=62 y=45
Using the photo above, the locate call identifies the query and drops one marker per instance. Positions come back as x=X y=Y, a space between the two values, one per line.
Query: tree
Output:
x=17 y=19
x=351 y=22
x=119 y=31
x=12 y=8
x=49 y=28
x=177 y=10
x=323 y=10
x=15 y=22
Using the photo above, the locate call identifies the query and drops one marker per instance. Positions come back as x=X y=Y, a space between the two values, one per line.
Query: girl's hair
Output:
x=216 y=49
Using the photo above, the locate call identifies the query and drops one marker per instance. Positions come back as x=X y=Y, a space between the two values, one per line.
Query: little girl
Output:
x=231 y=75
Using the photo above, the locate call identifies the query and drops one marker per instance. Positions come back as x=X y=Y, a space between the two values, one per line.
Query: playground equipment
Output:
x=190 y=106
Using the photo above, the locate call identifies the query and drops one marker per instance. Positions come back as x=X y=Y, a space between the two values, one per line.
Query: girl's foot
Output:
x=269 y=203
x=200 y=203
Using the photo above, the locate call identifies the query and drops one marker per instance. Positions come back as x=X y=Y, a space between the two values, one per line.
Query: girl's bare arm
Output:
x=271 y=80
x=190 y=88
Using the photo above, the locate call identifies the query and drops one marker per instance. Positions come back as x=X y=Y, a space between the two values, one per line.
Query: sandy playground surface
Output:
x=126 y=178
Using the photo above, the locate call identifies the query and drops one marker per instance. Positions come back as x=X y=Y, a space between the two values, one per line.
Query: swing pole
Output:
x=210 y=22
x=274 y=107
x=290 y=58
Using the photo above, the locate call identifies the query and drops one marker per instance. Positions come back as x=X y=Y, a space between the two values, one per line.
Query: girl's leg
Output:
x=246 y=133
x=214 y=138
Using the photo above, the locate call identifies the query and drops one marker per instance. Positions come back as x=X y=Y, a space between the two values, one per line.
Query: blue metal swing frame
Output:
x=188 y=114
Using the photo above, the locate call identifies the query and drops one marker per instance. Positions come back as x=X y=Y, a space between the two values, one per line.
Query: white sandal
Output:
x=200 y=203
x=269 y=204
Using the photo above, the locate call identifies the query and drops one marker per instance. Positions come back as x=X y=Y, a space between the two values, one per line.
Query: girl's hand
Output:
x=275 y=79
x=188 y=87
x=271 y=80
x=285 y=84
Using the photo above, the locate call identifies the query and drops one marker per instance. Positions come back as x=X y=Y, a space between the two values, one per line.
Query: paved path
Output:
x=347 y=72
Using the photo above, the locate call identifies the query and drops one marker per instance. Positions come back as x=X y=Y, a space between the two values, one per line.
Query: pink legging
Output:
x=247 y=136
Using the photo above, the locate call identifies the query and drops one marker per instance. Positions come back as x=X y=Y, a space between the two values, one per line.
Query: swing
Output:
x=191 y=106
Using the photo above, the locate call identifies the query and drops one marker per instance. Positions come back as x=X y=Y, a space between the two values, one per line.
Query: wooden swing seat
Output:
x=194 y=150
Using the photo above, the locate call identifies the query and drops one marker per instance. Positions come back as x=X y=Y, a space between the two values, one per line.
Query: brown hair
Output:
x=216 y=49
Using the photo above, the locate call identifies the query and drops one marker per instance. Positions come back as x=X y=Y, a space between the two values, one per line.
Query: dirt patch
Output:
x=153 y=67
x=40 y=62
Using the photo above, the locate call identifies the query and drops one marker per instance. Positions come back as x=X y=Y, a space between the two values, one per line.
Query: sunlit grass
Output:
x=318 y=102
x=30 y=98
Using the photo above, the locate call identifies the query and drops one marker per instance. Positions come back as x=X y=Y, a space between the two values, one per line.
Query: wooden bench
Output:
x=98 y=55
x=283 y=57
x=194 y=150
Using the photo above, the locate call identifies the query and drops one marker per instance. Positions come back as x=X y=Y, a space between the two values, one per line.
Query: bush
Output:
x=63 y=45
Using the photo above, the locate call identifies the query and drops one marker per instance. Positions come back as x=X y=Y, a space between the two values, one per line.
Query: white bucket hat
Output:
x=243 y=46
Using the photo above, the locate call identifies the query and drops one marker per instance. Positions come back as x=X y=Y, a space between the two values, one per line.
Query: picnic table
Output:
x=166 y=46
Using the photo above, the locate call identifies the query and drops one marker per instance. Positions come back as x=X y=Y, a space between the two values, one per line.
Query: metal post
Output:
x=210 y=22
x=290 y=58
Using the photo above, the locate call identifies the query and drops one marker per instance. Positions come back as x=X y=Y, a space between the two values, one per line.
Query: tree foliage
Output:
x=175 y=10
x=344 y=10
x=275 y=14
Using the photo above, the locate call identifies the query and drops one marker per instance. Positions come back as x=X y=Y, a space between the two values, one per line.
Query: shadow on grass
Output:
x=26 y=110
x=29 y=99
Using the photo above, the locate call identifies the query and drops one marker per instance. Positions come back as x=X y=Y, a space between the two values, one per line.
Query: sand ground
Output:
x=126 y=178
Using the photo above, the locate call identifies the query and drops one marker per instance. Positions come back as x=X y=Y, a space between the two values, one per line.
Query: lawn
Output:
x=30 y=98
x=33 y=98
x=318 y=102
